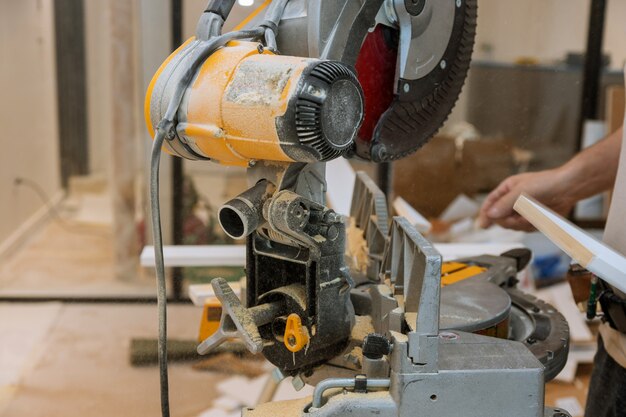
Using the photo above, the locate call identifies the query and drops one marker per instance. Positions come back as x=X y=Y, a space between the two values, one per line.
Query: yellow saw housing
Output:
x=247 y=104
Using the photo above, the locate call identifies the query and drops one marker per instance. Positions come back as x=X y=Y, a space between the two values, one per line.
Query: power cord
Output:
x=52 y=209
x=166 y=130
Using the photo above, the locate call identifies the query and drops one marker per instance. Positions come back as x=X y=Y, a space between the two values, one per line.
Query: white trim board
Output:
x=197 y=255
x=339 y=192
x=235 y=255
x=16 y=239
x=592 y=254
x=414 y=217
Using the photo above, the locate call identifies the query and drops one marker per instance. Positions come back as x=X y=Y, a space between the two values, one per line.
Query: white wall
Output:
x=545 y=29
x=193 y=8
x=28 y=109
x=98 y=56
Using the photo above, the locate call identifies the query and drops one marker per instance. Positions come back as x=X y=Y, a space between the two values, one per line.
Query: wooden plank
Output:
x=414 y=217
x=197 y=255
x=201 y=293
x=123 y=137
x=235 y=255
x=581 y=246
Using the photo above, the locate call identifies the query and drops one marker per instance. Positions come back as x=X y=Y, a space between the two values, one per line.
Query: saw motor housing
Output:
x=247 y=104
x=279 y=116
x=283 y=117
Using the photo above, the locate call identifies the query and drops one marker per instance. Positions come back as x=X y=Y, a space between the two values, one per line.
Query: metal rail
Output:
x=325 y=385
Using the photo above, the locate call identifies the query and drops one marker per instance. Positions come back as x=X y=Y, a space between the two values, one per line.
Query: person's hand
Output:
x=548 y=187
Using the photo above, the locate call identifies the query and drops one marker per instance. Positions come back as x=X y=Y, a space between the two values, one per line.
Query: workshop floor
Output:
x=58 y=261
x=73 y=359
x=60 y=360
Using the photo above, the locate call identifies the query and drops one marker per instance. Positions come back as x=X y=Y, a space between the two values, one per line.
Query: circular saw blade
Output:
x=421 y=105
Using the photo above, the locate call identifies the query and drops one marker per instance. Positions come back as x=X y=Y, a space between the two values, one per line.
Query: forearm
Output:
x=593 y=170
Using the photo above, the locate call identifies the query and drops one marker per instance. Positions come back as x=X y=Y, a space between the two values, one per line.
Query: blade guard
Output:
x=419 y=106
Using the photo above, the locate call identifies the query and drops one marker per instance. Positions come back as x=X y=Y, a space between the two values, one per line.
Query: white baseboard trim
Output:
x=22 y=233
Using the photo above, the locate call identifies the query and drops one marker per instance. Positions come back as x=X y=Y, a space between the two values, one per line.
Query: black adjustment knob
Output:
x=375 y=346
x=414 y=7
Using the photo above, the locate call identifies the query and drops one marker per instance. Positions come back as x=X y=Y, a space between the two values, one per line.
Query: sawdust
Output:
x=357 y=251
x=278 y=408
x=259 y=82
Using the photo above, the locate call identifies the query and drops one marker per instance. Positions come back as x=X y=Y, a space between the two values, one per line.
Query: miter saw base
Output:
x=428 y=343
x=407 y=356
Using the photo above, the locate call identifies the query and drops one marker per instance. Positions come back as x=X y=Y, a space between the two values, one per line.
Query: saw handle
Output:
x=238 y=322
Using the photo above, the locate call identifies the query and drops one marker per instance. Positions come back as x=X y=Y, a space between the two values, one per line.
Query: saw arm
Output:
x=280 y=97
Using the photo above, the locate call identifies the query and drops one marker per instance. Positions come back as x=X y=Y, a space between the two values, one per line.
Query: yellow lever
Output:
x=296 y=335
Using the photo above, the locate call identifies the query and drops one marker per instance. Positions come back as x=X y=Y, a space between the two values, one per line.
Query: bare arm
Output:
x=588 y=173
x=594 y=169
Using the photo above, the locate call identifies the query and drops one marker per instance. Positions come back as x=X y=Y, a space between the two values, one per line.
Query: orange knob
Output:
x=296 y=335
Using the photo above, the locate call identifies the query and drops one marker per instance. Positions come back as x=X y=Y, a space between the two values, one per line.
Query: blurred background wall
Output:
x=544 y=29
x=28 y=110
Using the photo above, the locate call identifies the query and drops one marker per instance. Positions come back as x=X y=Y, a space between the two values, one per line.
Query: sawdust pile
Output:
x=356 y=249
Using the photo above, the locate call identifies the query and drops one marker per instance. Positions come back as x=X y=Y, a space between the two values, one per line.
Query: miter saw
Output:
x=297 y=84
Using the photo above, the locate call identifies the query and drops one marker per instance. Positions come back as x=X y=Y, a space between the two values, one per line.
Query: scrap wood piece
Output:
x=144 y=352
x=229 y=363
x=592 y=254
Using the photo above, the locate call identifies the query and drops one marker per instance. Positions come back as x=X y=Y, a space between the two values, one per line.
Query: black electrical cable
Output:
x=220 y=7
x=166 y=131
x=160 y=270
x=275 y=13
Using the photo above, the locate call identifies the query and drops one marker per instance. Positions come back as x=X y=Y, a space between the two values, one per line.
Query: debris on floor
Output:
x=238 y=392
